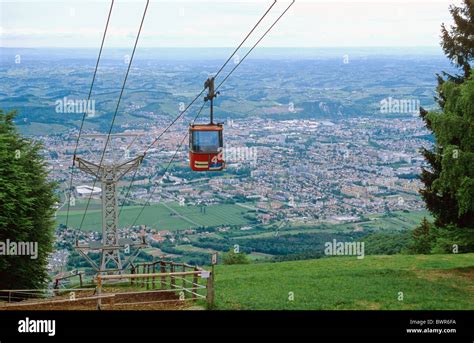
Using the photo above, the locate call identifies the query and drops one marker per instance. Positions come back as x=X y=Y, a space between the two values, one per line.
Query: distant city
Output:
x=309 y=142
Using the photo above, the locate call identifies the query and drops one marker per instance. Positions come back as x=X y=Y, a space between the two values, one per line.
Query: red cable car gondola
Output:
x=206 y=140
x=205 y=147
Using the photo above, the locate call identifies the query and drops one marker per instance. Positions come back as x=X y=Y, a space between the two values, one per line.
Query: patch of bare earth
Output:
x=109 y=301
x=464 y=274
x=366 y=305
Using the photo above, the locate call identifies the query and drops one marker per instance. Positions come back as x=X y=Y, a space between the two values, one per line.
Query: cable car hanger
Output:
x=209 y=84
x=205 y=140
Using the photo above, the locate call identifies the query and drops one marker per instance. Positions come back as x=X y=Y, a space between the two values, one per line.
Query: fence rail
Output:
x=10 y=295
x=151 y=283
x=166 y=275
x=58 y=279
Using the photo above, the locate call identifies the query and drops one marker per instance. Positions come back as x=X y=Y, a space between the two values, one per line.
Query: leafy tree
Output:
x=382 y=243
x=26 y=207
x=232 y=257
x=422 y=238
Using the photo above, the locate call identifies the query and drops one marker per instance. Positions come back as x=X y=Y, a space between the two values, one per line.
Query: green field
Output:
x=428 y=282
x=396 y=221
x=169 y=216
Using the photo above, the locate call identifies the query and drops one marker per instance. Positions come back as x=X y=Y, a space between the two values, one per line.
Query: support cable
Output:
x=166 y=169
x=85 y=112
x=116 y=111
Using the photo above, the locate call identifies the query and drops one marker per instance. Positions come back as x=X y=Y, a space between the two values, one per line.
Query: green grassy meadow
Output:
x=160 y=216
x=428 y=282
x=397 y=221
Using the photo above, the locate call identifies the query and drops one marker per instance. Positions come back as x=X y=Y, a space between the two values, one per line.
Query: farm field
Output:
x=428 y=282
x=397 y=221
x=187 y=247
x=169 y=216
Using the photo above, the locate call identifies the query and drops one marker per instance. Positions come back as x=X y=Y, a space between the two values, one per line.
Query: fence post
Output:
x=210 y=291
x=132 y=271
x=195 y=281
x=172 y=280
x=148 y=278
x=153 y=279
x=184 y=277
x=80 y=280
x=163 y=277
x=99 y=291
x=9 y=297
x=138 y=282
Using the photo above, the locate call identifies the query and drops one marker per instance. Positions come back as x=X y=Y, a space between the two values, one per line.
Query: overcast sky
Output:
x=223 y=23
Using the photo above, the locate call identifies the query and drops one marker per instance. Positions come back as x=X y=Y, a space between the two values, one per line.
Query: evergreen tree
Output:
x=447 y=189
x=422 y=239
x=458 y=41
x=26 y=207
x=442 y=205
x=458 y=45
x=449 y=186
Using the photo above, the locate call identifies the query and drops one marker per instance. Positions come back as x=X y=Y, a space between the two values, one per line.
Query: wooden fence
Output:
x=19 y=296
x=152 y=283
x=188 y=282
x=58 y=279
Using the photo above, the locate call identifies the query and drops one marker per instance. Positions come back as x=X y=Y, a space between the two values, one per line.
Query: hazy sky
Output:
x=223 y=23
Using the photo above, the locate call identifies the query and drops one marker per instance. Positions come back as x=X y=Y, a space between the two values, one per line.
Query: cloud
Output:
x=222 y=24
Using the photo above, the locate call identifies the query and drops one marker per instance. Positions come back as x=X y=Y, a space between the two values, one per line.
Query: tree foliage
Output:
x=26 y=207
x=458 y=40
x=232 y=257
x=422 y=238
x=449 y=181
x=386 y=243
x=449 y=186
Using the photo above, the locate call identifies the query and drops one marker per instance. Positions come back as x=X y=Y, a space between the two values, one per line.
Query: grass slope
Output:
x=427 y=282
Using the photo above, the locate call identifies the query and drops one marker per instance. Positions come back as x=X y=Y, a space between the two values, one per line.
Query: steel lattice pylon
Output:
x=109 y=174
